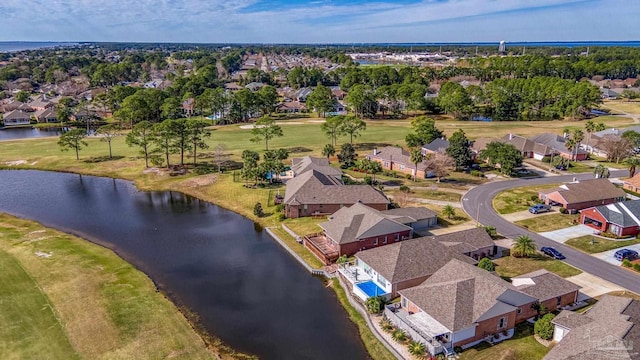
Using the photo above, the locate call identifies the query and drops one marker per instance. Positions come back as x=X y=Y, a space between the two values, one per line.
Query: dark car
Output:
x=547 y=250
x=539 y=208
x=625 y=254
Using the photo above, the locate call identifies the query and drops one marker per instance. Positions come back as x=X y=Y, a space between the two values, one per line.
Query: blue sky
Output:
x=319 y=21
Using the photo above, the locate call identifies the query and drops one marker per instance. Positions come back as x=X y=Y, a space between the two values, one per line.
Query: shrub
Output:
x=368 y=180
x=487 y=264
x=491 y=230
x=417 y=348
x=342 y=259
x=280 y=208
x=408 y=176
x=386 y=325
x=563 y=210
x=544 y=328
x=375 y=304
x=626 y=263
x=257 y=210
x=477 y=173
x=399 y=335
x=394 y=174
x=405 y=189
x=636 y=267
x=282 y=217
x=534 y=198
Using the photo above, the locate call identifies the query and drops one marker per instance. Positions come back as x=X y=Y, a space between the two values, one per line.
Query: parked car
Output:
x=625 y=254
x=547 y=250
x=539 y=208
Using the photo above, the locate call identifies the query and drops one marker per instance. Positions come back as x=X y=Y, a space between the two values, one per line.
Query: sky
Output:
x=319 y=21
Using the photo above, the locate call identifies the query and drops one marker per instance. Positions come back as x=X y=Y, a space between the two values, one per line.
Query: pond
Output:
x=27 y=133
x=245 y=288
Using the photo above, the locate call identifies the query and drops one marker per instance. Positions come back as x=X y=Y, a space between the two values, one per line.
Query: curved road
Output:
x=478 y=204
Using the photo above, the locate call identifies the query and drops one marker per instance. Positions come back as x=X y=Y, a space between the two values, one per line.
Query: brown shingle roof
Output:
x=359 y=221
x=397 y=155
x=466 y=240
x=590 y=190
x=544 y=285
x=410 y=214
x=459 y=295
x=306 y=163
x=410 y=259
x=609 y=330
x=634 y=181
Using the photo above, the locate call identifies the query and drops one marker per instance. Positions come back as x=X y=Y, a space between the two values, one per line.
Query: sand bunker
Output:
x=16 y=163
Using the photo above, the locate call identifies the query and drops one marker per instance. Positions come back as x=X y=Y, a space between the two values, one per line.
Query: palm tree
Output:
x=524 y=246
x=576 y=138
x=633 y=162
x=448 y=211
x=417 y=348
x=328 y=150
x=601 y=172
x=589 y=127
x=416 y=158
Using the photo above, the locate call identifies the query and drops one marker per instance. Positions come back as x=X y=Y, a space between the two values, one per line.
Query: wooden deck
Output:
x=322 y=248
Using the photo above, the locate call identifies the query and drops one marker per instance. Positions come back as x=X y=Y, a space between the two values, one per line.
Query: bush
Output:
x=477 y=173
x=257 y=210
x=399 y=335
x=417 y=348
x=491 y=230
x=487 y=264
x=405 y=189
x=544 y=328
x=282 y=217
x=203 y=169
x=636 y=267
x=386 y=325
x=627 y=263
x=368 y=180
x=534 y=198
x=563 y=210
x=375 y=304
x=280 y=208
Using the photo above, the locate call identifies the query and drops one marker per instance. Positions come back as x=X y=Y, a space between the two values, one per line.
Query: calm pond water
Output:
x=26 y=133
x=246 y=289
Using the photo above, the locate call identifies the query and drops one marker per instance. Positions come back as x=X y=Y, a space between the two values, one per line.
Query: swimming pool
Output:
x=371 y=289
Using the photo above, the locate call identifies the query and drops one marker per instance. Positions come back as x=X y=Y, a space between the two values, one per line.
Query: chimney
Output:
x=375 y=151
x=510 y=136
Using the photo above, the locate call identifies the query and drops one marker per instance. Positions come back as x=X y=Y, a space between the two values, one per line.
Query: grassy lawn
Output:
x=509 y=266
x=305 y=225
x=521 y=346
x=299 y=249
x=64 y=298
x=600 y=244
x=623 y=106
x=550 y=222
x=517 y=199
x=429 y=194
x=376 y=350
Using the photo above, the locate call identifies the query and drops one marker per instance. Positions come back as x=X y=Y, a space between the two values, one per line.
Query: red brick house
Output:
x=313 y=193
x=551 y=290
x=621 y=219
x=583 y=194
x=397 y=159
x=633 y=183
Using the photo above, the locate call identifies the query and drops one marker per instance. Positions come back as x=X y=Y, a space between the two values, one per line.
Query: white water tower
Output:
x=502 y=48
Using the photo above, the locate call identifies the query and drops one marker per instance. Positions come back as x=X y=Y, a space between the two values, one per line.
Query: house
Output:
x=608 y=94
x=621 y=218
x=47 y=115
x=291 y=107
x=16 y=118
x=355 y=228
x=558 y=144
x=583 y=194
x=608 y=330
x=314 y=193
x=529 y=149
x=397 y=159
x=437 y=145
x=551 y=290
x=189 y=107
x=41 y=103
x=307 y=163
x=233 y=87
x=85 y=115
x=302 y=94
x=338 y=93
x=633 y=183
x=597 y=142
x=459 y=305
x=401 y=265
x=419 y=218
x=255 y=86
x=474 y=243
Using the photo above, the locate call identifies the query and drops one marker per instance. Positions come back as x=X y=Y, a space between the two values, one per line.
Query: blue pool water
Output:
x=370 y=288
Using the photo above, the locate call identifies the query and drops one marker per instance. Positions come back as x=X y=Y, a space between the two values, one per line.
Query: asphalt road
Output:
x=477 y=202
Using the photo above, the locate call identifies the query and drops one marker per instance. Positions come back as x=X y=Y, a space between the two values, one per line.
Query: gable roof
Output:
x=634 y=181
x=306 y=163
x=555 y=142
x=410 y=214
x=624 y=213
x=460 y=294
x=616 y=131
x=410 y=259
x=544 y=285
x=16 y=114
x=436 y=145
x=359 y=221
x=610 y=329
x=314 y=187
x=589 y=190
x=465 y=241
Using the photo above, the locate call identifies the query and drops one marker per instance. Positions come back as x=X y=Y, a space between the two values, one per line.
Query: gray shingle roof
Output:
x=544 y=285
x=460 y=294
x=410 y=259
x=436 y=145
x=555 y=142
x=466 y=240
x=609 y=330
x=313 y=187
x=359 y=221
x=16 y=114
x=397 y=155
x=625 y=214
x=306 y=163
x=410 y=214
x=616 y=131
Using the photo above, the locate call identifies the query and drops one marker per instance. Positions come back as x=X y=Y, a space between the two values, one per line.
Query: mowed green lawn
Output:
x=600 y=244
x=64 y=298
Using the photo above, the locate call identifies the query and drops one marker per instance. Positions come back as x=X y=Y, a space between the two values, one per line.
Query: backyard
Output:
x=522 y=345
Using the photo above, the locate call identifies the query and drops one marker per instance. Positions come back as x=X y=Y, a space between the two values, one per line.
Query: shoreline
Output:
x=191 y=317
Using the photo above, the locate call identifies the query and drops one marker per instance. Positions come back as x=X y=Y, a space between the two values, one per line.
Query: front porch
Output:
x=322 y=248
x=421 y=328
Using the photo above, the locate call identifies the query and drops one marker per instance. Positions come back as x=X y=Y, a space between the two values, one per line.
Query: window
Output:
x=518 y=311
x=384 y=241
x=404 y=302
x=375 y=241
x=558 y=300
x=401 y=167
x=305 y=206
x=502 y=323
x=386 y=164
x=397 y=237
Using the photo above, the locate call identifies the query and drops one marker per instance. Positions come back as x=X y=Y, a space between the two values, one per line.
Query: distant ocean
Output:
x=569 y=44
x=8 y=46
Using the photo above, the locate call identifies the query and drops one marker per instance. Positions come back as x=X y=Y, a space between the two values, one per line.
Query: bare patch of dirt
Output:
x=199 y=181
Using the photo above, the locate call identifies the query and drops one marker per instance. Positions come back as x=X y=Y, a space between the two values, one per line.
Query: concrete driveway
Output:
x=608 y=255
x=592 y=285
x=565 y=234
